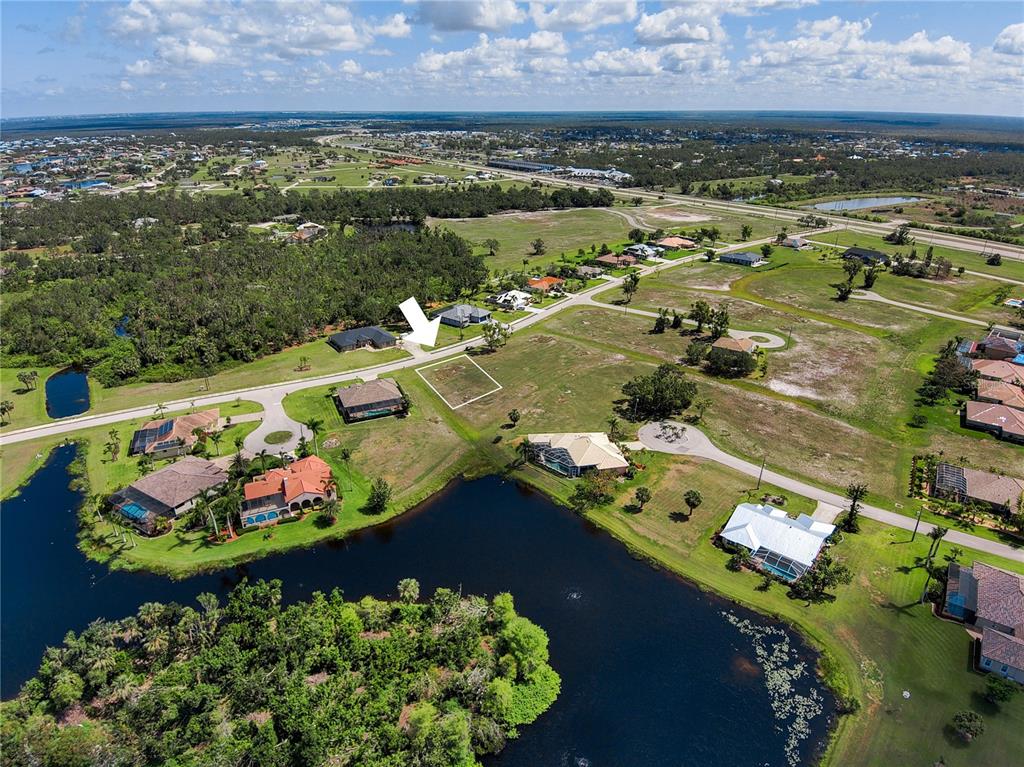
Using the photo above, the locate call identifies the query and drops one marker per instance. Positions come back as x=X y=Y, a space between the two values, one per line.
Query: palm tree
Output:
x=692 y=499
x=315 y=425
x=161 y=408
x=5 y=410
x=330 y=510
x=345 y=454
x=524 y=450
x=262 y=455
x=203 y=503
x=239 y=442
x=216 y=437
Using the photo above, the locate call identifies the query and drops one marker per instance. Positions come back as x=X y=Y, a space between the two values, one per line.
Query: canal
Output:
x=654 y=671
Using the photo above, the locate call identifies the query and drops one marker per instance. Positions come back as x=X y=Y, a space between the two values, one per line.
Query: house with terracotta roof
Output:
x=735 y=344
x=283 y=493
x=617 y=260
x=990 y=602
x=999 y=370
x=168 y=492
x=675 y=242
x=544 y=284
x=170 y=437
x=1001 y=393
x=1005 y=422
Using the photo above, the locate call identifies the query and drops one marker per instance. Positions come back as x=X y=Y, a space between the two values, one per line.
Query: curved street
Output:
x=685 y=439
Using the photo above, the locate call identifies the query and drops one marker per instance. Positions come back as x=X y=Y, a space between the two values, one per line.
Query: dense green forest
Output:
x=189 y=310
x=371 y=683
x=93 y=220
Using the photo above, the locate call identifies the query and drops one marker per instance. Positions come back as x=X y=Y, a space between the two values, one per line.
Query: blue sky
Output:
x=186 y=55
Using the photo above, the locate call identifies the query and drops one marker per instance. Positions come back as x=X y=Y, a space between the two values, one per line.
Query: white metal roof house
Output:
x=513 y=299
x=782 y=545
x=572 y=454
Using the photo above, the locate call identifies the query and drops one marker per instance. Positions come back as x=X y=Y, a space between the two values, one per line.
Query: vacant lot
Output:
x=563 y=231
x=459 y=380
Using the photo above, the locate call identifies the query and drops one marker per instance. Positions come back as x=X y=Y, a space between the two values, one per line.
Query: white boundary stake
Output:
x=452 y=359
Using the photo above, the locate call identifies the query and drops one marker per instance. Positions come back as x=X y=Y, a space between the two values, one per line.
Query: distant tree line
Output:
x=91 y=221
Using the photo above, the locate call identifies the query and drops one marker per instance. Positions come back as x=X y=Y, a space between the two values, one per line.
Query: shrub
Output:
x=968 y=724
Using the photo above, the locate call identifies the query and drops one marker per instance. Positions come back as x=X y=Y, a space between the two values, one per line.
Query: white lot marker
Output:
x=424 y=331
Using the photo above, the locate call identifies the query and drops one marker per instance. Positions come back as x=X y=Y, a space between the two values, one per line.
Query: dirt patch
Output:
x=793 y=390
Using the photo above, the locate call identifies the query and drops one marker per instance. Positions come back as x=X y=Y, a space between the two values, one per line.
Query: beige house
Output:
x=574 y=453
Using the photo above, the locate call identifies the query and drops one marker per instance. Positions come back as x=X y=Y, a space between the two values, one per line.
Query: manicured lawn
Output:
x=30 y=404
x=882 y=640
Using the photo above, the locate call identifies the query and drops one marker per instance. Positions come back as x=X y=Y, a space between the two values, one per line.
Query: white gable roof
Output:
x=754 y=527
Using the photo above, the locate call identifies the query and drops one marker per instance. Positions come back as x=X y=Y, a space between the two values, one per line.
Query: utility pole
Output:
x=761 y=473
x=917 y=524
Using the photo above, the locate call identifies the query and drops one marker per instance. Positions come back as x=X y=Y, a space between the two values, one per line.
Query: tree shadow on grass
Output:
x=678 y=516
x=953 y=737
x=632 y=508
x=983 y=705
x=907 y=609
x=322 y=522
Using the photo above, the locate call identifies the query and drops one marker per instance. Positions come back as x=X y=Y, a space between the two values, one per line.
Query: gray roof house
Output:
x=167 y=492
x=962 y=484
x=743 y=257
x=357 y=338
x=372 y=399
x=460 y=315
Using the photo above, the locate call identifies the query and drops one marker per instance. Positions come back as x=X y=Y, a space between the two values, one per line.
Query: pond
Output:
x=654 y=671
x=67 y=393
x=860 y=203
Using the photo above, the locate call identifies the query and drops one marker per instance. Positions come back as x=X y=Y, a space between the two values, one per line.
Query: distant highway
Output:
x=787 y=215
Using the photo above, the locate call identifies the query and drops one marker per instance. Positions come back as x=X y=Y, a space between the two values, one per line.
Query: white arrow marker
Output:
x=424 y=331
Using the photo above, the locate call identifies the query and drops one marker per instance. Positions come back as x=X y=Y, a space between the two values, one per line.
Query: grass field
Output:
x=29 y=404
x=563 y=231
x=458 y=380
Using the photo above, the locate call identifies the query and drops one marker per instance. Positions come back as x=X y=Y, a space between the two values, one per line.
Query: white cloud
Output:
x=396 y=26
x=350 y=67
x=126 y=87
x=582 y=14
x=140 y=68
x=1011 y=40
x=473 y=15
x=507 y=58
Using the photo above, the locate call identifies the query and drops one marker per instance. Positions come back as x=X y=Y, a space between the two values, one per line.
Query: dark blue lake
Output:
x=654 y=672
x=67 y=393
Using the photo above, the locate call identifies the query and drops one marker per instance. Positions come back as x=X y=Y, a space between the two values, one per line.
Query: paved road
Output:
x=684 y=439
x=270 y=396
x=867 y=295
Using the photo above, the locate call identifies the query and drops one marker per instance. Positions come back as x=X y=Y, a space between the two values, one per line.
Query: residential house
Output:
x=963 y=484
x=307 y=232
x=573 y=454
x=617 y=260
x=743 y=258
x=168 y=492
x=641 y=251
x=169 y=437
x=589 y=272
x=461 y=315
x=1005 y=422
x=778 y=543
x=999 y=370
x=735 y=344
x=675 y=242
x=1001 y=393
x=358 y=338
x=999 y=347
x=285 y=492
x=867 y=255
x=372 y=399
x=544 y=284
x=514 y=300
x=991 y=601
x=797 y=243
